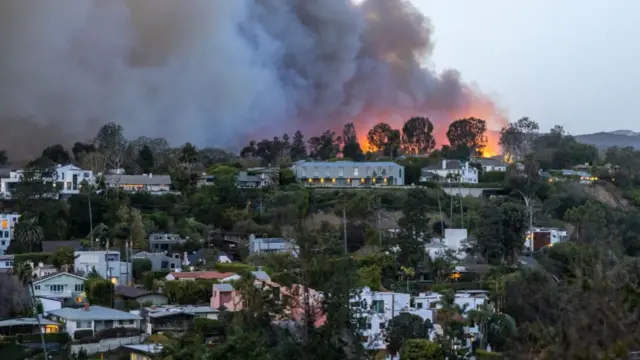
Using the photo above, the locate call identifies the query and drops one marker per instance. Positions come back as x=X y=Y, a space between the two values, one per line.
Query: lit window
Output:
x=4 y=224
x=355 y=171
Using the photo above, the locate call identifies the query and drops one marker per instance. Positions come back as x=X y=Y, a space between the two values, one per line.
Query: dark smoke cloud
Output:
x=212 y=72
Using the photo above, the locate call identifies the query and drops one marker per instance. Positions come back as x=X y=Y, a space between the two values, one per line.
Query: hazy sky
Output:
x=573 y=63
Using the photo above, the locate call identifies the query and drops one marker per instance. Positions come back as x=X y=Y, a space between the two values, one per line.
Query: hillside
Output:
x=604 y=140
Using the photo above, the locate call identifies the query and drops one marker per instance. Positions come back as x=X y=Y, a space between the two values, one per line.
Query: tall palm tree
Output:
x=29 y=234
x=24 y=272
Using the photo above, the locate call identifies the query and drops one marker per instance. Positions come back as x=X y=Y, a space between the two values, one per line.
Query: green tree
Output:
x=590 y=221
x=351 y=148
x=469 y=132
x=110 y=141
x=4 y=158
x=188 y=155
x=28 y=235
x=393 y=144
x=517 y=138
x=325 y=146
x=99 y=291
x=417 y=136
x=414 y=227
x=403 y=328
x=500 y=237
x=63 y=258
x=421 y=349
x=24 y=273
x=298 y=147
x=145 y=159
x=140 y=267
x=57 y=154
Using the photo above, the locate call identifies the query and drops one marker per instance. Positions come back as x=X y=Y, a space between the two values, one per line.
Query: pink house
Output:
x=225 y=295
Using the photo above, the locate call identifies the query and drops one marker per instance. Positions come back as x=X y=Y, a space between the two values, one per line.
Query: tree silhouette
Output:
x=468 y=132
x=417 y=137
x=351 y=148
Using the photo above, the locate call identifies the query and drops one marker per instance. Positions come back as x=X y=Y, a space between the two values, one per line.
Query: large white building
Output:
x=348 y=173
x=376 y=308
x=453 y=171
x=68 y=180
x=7 y=226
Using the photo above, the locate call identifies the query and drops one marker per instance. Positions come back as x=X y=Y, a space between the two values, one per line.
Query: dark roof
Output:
x=131 y=292
x=51 y=246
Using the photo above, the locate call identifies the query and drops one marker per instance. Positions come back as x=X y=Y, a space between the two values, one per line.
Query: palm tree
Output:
x=29 y=235
x=24 y=272
x=495 y=328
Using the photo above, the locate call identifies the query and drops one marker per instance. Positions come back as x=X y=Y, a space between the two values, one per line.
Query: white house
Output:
x=106 y=263
x=59 y=285
x=7 y=225
x=154 y=184
x=70 y=178
x=41 y=270
x=6 y=262
x=491 y=164
x=348 y=173
x=259 y=246
x=374 y=309
x=454 y=241
x=539 y=238
x=94 y=318
x=450 y=171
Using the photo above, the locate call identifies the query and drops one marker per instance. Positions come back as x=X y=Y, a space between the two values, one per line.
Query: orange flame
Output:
x=479 y=107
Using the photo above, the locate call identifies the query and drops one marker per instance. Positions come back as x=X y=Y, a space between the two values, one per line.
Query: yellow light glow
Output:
x=309 y=180
x=114 y=281
x=333 y=181
x=321 y=181
x=4 y=224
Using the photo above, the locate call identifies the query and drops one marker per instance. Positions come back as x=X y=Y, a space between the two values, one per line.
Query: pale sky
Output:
x=567 y=62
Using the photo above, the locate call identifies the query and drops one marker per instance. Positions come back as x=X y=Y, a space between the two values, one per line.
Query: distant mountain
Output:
x=604 y=140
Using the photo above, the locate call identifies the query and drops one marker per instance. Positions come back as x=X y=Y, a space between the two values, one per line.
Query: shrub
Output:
x=208 y=327
x=140 y=266
x=234 y=267
x=83 y=334
x=492 y=177
x=117 y=332
x=131 y=305
x=488 y=355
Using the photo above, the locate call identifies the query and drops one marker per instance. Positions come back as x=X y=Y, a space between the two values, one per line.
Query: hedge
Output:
x=208 y=327
x=492 y=177
x=117 y=332
x=83 y=334
x=36 y=258
x=60 y=338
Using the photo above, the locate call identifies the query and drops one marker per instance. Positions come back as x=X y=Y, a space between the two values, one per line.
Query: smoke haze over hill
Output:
x=216 y=72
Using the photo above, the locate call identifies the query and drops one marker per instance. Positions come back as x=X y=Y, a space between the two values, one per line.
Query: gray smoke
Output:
x=213 y=72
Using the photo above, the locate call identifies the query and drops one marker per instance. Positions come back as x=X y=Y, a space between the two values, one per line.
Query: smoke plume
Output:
x=215 y=72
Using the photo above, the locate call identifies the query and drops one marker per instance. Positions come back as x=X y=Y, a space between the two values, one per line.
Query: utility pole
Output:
x=461 y=212
x=379 y=230
x=344 y=225
x=90 y=217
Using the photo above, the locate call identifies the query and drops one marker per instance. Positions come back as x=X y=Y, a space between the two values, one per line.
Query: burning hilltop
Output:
x=216 y=72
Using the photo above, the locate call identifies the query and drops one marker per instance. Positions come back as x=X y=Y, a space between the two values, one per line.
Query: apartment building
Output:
x=7 y=226
x=107 y=264
x=348 y=173
x=164 y=242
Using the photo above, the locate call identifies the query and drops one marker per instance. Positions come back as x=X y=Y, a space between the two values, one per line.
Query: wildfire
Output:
x=480 y=108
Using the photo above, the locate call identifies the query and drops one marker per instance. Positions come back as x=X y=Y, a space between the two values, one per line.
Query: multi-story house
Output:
x=7 y=225
x=106 y=263
x=161 y=261
x=374 y=309
x=491 y=164
x=68 y=181
x=452 y=171
x=259 y=246
x=164 y=242
x=348 y=173
x=154 y=184
x=58 y=285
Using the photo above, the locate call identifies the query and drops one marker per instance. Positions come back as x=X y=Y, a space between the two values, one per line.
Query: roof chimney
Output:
x=86 y=306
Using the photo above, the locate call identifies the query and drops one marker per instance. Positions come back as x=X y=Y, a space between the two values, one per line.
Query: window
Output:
x=400 y=173
x=83 y=325
x=6 y=234
x=1 y=234
x=433 y=304
x=164 y=264
x=419 y=305
x=173 y=266
x=355 y=171
x=62 y=176
x=3 y=242
x=68 y=185
x=382 y=326
x=37 y=287
x=56 y=288
x=377 y=306
x=79 y=287
x=86 y=175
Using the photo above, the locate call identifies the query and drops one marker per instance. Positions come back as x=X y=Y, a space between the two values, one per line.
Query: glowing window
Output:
x=4 y=224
